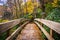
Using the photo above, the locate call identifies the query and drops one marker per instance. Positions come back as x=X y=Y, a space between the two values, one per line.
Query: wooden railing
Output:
x=52 y=25
x=45 y=32
x=17 y=31
x=10 y=24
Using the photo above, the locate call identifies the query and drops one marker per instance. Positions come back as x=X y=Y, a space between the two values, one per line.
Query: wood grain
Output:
x=53 y=25
x=8 y=25
x=49 y=37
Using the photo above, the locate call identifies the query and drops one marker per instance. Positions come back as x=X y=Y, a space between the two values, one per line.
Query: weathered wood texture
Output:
x=51 y=32
x=7 y=25
x=53 y=25
x=30 y=32
x=49 y=37
x=16 y=31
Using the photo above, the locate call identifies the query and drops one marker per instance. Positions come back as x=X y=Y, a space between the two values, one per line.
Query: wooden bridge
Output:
x=37 y=22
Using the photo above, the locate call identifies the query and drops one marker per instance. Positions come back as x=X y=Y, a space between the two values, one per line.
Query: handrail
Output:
x=49 y=37
x=16 y=31
x=8 y=25
x=53 y=25
x=11 y=21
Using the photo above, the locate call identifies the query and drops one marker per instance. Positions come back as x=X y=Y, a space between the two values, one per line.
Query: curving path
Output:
x=30 y=32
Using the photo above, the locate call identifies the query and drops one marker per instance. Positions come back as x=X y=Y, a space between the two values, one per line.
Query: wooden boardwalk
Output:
x=30 y=32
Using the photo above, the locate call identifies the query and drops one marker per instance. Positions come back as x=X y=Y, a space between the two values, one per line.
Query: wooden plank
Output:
x=53 y=25
x=16 y=31
x=7 y=25
x=10 y=21
x=30 y=32
x=49 y=37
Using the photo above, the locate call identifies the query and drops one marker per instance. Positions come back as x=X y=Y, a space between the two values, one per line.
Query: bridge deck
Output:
x=30 y=32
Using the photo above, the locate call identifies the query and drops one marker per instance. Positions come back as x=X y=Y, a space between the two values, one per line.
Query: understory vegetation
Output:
x=31 y=10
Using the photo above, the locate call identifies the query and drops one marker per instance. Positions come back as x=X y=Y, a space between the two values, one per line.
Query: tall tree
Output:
x=16 y=8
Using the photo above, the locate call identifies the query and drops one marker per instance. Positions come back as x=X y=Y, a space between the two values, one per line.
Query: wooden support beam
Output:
x=51 y=31
x=16 y=31
x=53 y=25
x=49 y=37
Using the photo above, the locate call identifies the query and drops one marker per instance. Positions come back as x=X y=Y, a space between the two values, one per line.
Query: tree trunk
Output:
x=16 y=8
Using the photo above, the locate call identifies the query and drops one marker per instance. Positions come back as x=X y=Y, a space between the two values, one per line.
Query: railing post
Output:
x=51 y=31
x=8 y=32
